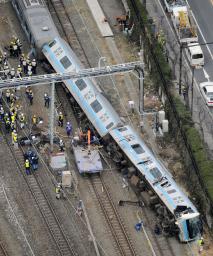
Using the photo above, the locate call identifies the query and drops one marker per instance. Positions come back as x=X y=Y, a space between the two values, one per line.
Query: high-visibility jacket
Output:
x=60 y=117
x=200 y=242
x=34 y=120
x=13 y=118
x=27 y=164
x=57 y=190
x=7 y=121
x=15 y=137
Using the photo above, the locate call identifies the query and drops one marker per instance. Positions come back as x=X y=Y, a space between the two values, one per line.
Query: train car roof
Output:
x=154 y=171
x=40 y=21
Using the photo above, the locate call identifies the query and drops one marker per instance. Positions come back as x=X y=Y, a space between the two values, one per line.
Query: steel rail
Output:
x=3 y=251
x=43 y=203
x=112 y=216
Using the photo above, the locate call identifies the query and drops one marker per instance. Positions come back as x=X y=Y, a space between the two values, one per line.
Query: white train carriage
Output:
x=155 y=174
x=36 y=21
x=97 y=108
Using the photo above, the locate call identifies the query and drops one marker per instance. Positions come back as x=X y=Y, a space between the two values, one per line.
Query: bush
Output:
x=194 y=141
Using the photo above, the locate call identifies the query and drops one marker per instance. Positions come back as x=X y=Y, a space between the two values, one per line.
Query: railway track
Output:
x=43 y=203
x=3 y=251
x=118 y=230
x=57 y=7
x=160 y=244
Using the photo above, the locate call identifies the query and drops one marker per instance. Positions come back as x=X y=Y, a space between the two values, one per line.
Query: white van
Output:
x=195 y=55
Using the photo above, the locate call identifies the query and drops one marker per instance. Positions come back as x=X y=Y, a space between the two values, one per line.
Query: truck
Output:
x=184 y=25
x=170 y=4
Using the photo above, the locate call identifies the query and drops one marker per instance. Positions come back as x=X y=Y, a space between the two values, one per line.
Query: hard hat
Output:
x=27 y=160
x=34 y=60
x=34 y=116
x=5 y=53
x=22 y=114
x=12 y=69
x=60 y=113
x=14 y=131
x=19 y=66
x=45 y=94
x=68 y=122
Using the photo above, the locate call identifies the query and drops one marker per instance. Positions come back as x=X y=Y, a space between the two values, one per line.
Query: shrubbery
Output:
x=194 y=141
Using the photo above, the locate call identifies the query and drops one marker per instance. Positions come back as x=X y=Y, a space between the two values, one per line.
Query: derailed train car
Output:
x=180 y=216
x=96 y=107
x=43 y=35
x=37 y=23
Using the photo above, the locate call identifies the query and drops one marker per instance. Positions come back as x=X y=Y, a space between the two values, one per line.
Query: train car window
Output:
x=109 y=125
x=81 y=84
x=156 y=173
x=171 y=191
x=138 y=149
x=65 y=62
x=122 y=129
x=51 y=44
x=96 y=106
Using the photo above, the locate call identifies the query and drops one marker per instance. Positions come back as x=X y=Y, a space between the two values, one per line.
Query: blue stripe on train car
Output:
x=76 y=93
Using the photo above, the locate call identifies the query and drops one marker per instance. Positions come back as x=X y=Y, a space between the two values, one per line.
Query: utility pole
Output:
x=59 y=77
x=192 y=99
x=52 y=115
x=180 y=69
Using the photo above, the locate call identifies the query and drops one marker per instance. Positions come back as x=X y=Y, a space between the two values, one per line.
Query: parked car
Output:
x=207 y=92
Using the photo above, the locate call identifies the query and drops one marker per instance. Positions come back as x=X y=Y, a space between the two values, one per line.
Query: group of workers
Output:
x=15 y=47
x=26 y=65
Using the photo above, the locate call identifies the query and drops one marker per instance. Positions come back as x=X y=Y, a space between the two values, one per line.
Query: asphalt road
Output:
x=203 y=13
x=202 y=115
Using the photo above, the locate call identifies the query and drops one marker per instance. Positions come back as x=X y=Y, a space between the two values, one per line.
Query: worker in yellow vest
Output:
x=27 y=166
x=34 y=121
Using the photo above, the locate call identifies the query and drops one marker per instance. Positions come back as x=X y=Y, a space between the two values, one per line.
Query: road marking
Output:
x=201 y=32
x=205 y=72
x=187 y=64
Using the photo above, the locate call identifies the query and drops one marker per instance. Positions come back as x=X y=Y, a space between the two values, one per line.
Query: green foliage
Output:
x=193 y=137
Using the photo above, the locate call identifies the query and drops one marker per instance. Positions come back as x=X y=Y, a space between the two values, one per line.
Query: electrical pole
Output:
x=180 y=69
x=192 y=99
x=52 y=115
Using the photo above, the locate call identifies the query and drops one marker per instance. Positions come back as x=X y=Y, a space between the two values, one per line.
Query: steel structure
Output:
x=57 y=77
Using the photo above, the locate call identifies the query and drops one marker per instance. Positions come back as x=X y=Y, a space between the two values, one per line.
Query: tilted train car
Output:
x=185 y=215
x=97 y=108
x=37 y=23
x=41 y=31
